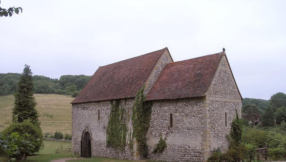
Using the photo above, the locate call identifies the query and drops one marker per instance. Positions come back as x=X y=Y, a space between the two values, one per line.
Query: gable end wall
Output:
x=223 y=98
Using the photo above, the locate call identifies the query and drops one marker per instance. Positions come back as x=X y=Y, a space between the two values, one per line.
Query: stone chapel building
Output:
x=193 y=104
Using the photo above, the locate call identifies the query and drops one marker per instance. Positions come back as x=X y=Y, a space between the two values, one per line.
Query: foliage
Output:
x=275 y=140
x=216 y=156
x=58 y=135
x=24 y=105
x=268 y=118
x=251 y=112
x=116 y=128
x=67 y=84
x=278 y=100
x=277 y=153
x=244 y=122
x=160 y=147
x=18 y=146
x=29 y=133
x=280 y=114
x=259 y=103
x=256 y=137
x=141 y=116
x=68 y=136
x=10 y=11
x=236 y=130
x=250 y=151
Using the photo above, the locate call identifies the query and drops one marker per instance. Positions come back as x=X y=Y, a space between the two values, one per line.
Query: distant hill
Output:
x=67 y=84
x=55 y=112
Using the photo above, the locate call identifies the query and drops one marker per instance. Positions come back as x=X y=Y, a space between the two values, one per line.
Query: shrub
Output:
x=58 y=135
x=277 y=153
x=160 y=147
x=25 y=137
x=216 y=156
x=255 y=137
x=68 y=136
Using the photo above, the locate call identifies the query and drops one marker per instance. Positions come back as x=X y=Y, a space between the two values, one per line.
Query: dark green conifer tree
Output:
x=268 y=117
x=24 y=105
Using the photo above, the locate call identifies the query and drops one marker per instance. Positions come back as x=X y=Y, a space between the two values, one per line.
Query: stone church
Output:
x=193 y=104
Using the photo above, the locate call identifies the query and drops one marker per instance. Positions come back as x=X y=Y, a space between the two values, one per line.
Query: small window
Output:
x=171 y=120
x=98 y=114
x=225 y=119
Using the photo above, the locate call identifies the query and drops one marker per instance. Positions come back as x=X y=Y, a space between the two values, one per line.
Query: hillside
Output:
x=54 y=111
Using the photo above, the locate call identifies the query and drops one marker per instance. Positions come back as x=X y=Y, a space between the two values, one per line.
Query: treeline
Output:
x=265 y=112
x=67 y=84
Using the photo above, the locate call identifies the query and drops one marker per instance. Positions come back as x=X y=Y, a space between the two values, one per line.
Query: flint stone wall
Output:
x=185 y=139
x=223 y=100
x=85 y=118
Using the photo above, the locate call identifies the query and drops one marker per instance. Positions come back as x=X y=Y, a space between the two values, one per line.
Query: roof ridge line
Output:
x=136 y=57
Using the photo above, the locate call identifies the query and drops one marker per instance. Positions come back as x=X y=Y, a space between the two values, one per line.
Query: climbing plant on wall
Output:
x=141 y=116
x=116 y=128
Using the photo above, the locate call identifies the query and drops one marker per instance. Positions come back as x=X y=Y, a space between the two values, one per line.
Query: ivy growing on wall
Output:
x=116 y=128
x=160 y=147
x=141 y=117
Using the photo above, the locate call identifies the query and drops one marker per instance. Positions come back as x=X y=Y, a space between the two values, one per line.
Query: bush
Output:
x=24 y=138
x=58 y=135
x=216 y=156
x=255 y=137
x=68 y=136
x=277 y=153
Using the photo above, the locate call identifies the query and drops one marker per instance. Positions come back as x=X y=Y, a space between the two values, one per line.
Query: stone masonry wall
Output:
x=184 y=140
x=164 y=59
x=223 y=99
x=85 y=118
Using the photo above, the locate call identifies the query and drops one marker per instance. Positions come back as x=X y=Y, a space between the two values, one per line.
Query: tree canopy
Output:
x=24 y=105
x=10 y=11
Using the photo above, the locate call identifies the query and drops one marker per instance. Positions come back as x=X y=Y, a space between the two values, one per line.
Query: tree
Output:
x=21 y=139
x=268 y=118
x=280 y=115
x=251 y=112
x=24 y=105
x=278 y=100
x=10 y=11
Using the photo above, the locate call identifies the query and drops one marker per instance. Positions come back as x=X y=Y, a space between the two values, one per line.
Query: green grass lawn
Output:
x=48 y=153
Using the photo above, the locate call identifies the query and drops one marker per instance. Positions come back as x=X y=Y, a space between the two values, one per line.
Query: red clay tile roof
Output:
x=185 y=79
x=119 y=80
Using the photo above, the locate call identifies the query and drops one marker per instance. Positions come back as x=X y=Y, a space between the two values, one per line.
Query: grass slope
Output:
x=54 y=111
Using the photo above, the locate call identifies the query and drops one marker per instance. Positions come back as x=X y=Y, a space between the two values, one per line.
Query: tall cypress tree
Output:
x=24 y=105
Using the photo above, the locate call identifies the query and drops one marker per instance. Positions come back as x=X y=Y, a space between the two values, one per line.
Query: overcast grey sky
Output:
x=60 y=37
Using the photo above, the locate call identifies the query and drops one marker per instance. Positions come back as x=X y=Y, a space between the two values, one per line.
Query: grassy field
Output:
x=48 y=153
x=54 y=111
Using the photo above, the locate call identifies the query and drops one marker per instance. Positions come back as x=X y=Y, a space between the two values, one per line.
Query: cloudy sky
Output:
x=60 y=37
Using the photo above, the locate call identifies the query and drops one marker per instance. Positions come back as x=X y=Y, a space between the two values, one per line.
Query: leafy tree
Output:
x=24 y=105
x=268 y=118
x=280 y=115
x=278 y=100
x=259 y=103
x=251 y=113
x=10 y=11
x=22 y=139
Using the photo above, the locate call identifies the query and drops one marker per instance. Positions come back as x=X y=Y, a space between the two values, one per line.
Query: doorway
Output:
x=86 y=145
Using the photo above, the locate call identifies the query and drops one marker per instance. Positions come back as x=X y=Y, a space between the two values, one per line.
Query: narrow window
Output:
x=171 y=120
x=98 y=114
x=225 y=119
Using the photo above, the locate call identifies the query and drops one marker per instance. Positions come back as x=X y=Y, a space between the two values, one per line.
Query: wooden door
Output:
x=86 y=145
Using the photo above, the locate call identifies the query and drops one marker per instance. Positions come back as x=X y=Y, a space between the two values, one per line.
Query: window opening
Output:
x=171 y=120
